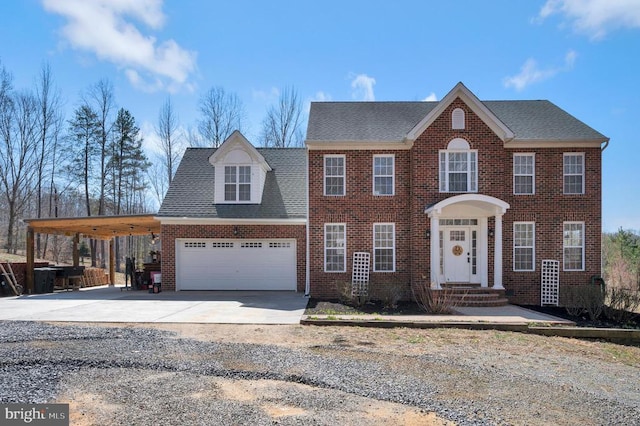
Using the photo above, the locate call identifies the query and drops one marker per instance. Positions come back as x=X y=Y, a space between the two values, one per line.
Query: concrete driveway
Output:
x=111 y=304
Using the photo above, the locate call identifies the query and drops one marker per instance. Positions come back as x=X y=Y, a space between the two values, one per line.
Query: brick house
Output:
x=457 y=191
x=234 y=218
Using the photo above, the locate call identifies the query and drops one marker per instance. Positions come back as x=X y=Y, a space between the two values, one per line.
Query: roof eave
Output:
x=555 y=143
x=324 y=145
x=184 y=220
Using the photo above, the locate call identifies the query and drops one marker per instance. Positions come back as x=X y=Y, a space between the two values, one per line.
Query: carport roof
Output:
x=99 y=227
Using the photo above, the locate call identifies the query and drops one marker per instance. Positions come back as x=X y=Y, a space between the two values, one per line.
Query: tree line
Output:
x=93 y=162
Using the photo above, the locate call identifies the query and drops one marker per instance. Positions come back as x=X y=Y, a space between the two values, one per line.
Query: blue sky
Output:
x=583 y=55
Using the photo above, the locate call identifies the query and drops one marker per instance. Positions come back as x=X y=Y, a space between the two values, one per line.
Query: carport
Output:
x=104 y=228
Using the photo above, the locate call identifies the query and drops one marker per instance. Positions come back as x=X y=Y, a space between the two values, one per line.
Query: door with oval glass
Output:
x=457 y=255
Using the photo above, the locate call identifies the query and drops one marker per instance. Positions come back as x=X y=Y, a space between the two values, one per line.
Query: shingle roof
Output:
x=191 y=193
x=391 y=121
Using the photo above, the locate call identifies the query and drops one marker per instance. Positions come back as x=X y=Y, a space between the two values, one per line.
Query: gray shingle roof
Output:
x=191 y=193
x=391 y=121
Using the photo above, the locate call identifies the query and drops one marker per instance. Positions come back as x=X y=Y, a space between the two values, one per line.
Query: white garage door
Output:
x=205 y=264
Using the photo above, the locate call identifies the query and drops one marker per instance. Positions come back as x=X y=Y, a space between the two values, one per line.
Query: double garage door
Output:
x=235 y=264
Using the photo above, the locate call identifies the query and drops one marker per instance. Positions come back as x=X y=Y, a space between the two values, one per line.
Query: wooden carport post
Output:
x=112 y=263
x=75 y=252
x=28 y=281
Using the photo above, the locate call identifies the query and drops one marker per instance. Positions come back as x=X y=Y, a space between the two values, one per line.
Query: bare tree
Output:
x=157 y=179
x=168 y=132
x=85 y=134
x=48 y=122
x=18 y=149
x=101 y=96
x=282 y=127
x=221 y=114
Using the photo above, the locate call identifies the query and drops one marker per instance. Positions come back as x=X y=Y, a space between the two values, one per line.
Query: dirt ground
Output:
x=378 y=342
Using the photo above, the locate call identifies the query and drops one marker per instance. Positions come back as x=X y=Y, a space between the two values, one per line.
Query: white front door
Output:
x=457 y=255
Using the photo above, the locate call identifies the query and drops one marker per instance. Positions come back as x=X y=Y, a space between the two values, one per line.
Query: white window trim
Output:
x=393 y=247
x=533 y=247
x=446 y=174
x=237 y=184
x=344 y=247
x=583 y=174
x=533 y=174
x=564 y=268
x=458 y=119
x=344 y=174
x=393 y=175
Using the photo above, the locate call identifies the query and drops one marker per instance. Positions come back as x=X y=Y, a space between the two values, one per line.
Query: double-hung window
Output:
x=458 y=167
x=524 y=174
x=573 y=246
x=383 y=175
x=384 y=247
x=334 y=173
x=335 y=239
x=573 y=173
x=524 y=246
x=237 y=183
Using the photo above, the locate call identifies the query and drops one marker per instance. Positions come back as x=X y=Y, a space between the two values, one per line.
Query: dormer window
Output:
x=240 y=171
x=237 y=183
x=457 y=119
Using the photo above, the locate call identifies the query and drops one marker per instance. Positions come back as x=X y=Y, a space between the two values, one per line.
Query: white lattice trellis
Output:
x=360 y=274
x=550 y=285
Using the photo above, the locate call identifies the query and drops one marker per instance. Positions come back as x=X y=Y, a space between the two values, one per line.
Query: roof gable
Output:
x=192 y=195
x=236 y=149
x=485 y=114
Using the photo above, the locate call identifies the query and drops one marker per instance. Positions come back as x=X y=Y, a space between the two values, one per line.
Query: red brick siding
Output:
x=359 y=209
x=171 y=232
x=417 y=185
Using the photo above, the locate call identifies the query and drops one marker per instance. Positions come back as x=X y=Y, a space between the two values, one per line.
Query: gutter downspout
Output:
x=307 y=288
x=606 y=144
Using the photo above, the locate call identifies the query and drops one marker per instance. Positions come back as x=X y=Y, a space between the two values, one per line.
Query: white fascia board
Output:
x=358 y=145
x=237 y=139
x=461 y=91
x=219 y=221
x=558 y=143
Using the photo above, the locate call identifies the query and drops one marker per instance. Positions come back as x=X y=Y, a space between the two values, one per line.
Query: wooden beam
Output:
x=76 y=252
x=112 y=263
x=29 y=276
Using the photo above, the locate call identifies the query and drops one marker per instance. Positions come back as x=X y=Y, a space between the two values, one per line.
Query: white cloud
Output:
x=107 y=29
x=595 y=18
x=431 y=98
x=362 y=87
x=531 y=73
x=321 y=97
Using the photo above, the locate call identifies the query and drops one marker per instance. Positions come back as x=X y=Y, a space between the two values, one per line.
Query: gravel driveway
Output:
x=189 y=374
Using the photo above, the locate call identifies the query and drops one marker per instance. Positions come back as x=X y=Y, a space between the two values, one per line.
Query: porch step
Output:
x=473 y=295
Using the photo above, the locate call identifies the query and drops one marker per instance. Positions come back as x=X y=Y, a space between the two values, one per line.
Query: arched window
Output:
x=458 y=167
x=457 y=119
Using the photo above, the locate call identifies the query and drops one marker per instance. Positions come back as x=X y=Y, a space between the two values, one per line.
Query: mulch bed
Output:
x=336 y=307
x=584 y=320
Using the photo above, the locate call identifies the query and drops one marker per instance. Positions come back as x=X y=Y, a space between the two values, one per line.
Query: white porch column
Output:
x=497 y=255
x=435 y=252
x=483 y=252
